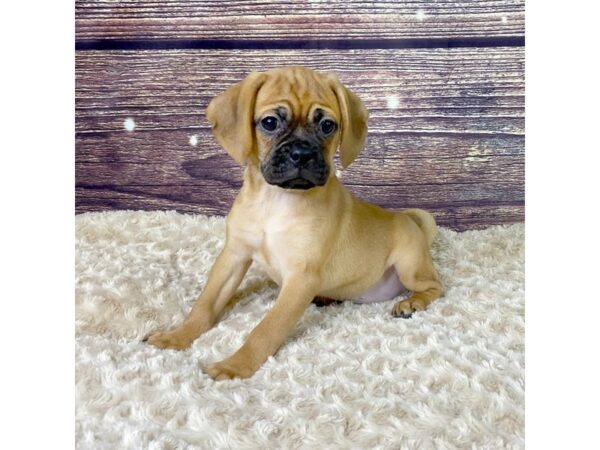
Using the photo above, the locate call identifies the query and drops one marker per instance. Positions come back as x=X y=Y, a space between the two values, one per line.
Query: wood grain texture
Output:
x=459 y=90
x=446 y=129
x=299 y=20
x=186 y=200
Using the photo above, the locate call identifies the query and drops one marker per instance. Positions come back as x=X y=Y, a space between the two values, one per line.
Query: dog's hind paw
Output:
x=406 y=308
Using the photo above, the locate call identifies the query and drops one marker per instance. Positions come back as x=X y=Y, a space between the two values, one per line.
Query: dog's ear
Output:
x=231 y=115
x=354 y=122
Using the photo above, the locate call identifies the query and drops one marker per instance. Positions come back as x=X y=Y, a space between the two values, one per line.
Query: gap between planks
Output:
x=331 y=44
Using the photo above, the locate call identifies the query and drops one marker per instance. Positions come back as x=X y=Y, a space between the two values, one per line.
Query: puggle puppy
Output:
x=294 y=216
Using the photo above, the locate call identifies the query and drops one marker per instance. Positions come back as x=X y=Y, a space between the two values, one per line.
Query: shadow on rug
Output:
x=349 y=376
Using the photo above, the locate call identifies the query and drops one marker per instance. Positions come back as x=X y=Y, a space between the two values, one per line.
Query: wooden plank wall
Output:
x=444 y=83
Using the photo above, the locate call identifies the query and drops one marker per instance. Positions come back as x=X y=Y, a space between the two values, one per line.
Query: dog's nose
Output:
x=302 y=153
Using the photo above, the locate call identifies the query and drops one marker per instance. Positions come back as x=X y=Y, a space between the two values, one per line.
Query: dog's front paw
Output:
x=229 y=368
x=406 y=308
x=169 y=339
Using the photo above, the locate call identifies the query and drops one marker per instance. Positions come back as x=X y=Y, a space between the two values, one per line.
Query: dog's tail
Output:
x=425 y=221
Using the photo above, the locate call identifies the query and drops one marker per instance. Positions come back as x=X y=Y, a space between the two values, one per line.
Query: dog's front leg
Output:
x=224 y=278
x=296 y=294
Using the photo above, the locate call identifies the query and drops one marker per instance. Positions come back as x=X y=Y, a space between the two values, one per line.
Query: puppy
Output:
x=295 y=218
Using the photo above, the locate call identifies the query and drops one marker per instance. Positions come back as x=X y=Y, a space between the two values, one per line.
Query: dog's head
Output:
x=289 y=123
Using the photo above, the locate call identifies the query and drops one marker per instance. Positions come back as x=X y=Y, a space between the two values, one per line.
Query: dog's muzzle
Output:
x=296 y=164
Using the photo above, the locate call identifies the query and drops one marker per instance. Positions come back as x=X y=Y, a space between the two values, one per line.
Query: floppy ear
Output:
x=231 y=115
x=354 y=122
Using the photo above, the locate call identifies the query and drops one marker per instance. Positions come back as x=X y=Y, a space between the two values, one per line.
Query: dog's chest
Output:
x=278 y=237
x=271 y=253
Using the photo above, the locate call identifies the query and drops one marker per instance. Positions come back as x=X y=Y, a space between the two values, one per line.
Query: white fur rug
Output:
x=350 y=376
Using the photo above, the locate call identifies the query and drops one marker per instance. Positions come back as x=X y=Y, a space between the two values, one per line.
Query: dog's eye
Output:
x=327 y=126
x=270 y=123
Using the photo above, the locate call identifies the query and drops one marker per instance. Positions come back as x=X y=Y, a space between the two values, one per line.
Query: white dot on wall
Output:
x=194 y=140
x=504 y=19
x=420 y=14
x=393 y=102
x=129 y=124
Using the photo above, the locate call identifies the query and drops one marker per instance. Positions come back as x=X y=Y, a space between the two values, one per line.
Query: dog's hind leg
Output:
x=417 y=273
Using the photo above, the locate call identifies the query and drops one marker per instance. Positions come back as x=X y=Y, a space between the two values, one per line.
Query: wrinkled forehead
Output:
x=299 y=90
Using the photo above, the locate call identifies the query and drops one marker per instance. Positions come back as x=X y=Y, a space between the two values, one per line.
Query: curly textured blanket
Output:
x=350 y=376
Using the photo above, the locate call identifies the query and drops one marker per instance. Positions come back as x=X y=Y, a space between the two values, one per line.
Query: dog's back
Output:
x=425 y=221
